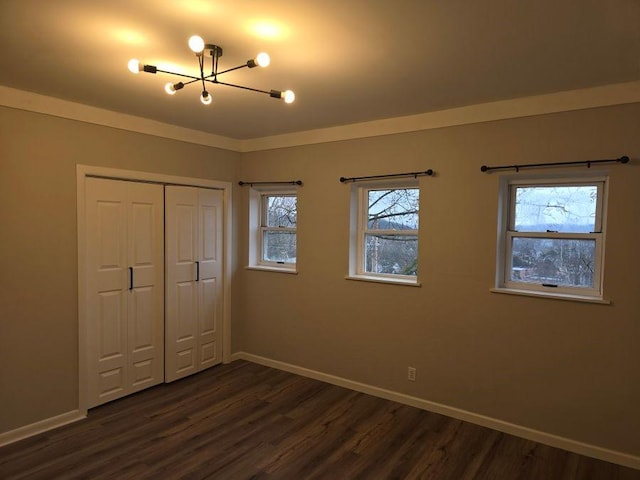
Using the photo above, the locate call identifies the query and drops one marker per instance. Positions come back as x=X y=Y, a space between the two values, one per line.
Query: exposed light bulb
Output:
x=172 y=88
x=196 y=43
x=134 y=65
x=263 y=59
x=289 y=96
x=205 y=98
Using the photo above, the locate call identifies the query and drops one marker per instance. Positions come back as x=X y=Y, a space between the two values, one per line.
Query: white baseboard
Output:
x=545 y=438
x=41 y=426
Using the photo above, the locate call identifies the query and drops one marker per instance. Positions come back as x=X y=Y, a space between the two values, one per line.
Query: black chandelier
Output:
x=198 y=46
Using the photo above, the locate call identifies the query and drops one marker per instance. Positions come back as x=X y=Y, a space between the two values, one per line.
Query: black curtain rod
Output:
x=588 y=163
x=391 y=175
x=292 y=182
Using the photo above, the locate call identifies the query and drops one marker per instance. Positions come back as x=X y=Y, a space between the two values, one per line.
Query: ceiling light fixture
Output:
x=197 y=45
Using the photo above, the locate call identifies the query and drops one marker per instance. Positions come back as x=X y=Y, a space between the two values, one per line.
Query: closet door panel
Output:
x=210 y=293
x=145 y=217
x=125 y=287
x=181 y=230
x=194 y=253
x=110 y=326
x=207 y=319
x=143 y=336
x=185 y=328
x=106 y=289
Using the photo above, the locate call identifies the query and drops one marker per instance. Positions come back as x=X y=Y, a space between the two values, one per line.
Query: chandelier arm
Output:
x=191 y=81
x=239 y=86
x=232 y=69
x=179 y=74
x=201 y=63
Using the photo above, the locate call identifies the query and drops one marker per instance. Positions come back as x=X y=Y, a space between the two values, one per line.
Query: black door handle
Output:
x=197 y=271
x=130 y=278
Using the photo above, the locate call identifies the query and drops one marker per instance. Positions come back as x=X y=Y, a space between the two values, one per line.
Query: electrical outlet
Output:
x=411 y=374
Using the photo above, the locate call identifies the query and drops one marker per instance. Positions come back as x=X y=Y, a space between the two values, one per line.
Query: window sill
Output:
x=556 y=296
x=392 y=281
x=290 y=271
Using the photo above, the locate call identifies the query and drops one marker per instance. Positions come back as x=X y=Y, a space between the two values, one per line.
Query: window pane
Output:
x=279 y=246
x=561 y=262
x=281 y=211
x=561 y=208
x=395 y=209
x=391 y=254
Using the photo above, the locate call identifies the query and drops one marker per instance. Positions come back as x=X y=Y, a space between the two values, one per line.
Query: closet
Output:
x=153 y=284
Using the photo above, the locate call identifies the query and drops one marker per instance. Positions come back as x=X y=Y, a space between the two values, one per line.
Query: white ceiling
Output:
x=347 y=60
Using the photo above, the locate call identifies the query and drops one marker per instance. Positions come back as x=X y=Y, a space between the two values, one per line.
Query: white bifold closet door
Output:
x=125 y=288
x=193 y=229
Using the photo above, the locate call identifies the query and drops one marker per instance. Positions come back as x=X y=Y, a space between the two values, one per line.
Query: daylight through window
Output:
x=553 y=237
x=278 y=228
x=273 y=221
x=387 y=233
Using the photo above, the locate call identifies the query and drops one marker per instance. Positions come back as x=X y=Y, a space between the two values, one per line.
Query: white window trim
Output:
x=256 y=228
x=358 y=229
x=506 y=202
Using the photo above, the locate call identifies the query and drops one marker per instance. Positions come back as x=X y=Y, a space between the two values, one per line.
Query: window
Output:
x=384 y=243
x=552 y=236
x=273 y=217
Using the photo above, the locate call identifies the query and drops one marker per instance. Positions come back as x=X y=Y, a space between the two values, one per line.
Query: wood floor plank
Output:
x=247 y=421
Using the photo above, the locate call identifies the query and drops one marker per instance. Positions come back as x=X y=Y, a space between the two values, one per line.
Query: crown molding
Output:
x=594 y=97
x=604 y=96
x=34 y=102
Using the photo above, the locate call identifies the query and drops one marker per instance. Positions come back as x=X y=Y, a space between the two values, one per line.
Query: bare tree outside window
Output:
x=553 y=261
x=559 y=254
x=279 y=222
x=391 y=234
x=560 y=209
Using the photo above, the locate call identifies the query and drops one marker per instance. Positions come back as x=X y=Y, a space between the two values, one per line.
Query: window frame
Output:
x=507 y=232
x=258 y=227
x=359 y=230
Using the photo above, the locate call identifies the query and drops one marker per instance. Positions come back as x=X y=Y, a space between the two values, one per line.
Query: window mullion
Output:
x=280 y=229
x=391 y=232
x=552 y=235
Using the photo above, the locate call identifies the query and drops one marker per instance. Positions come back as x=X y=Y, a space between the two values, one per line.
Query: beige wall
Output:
x=566 y=368
x=38 y=239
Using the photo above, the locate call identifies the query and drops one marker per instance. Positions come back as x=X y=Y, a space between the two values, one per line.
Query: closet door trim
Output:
x=84 y=171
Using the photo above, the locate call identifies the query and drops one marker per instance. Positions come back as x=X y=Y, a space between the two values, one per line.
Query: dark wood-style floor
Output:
x=243 y=420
